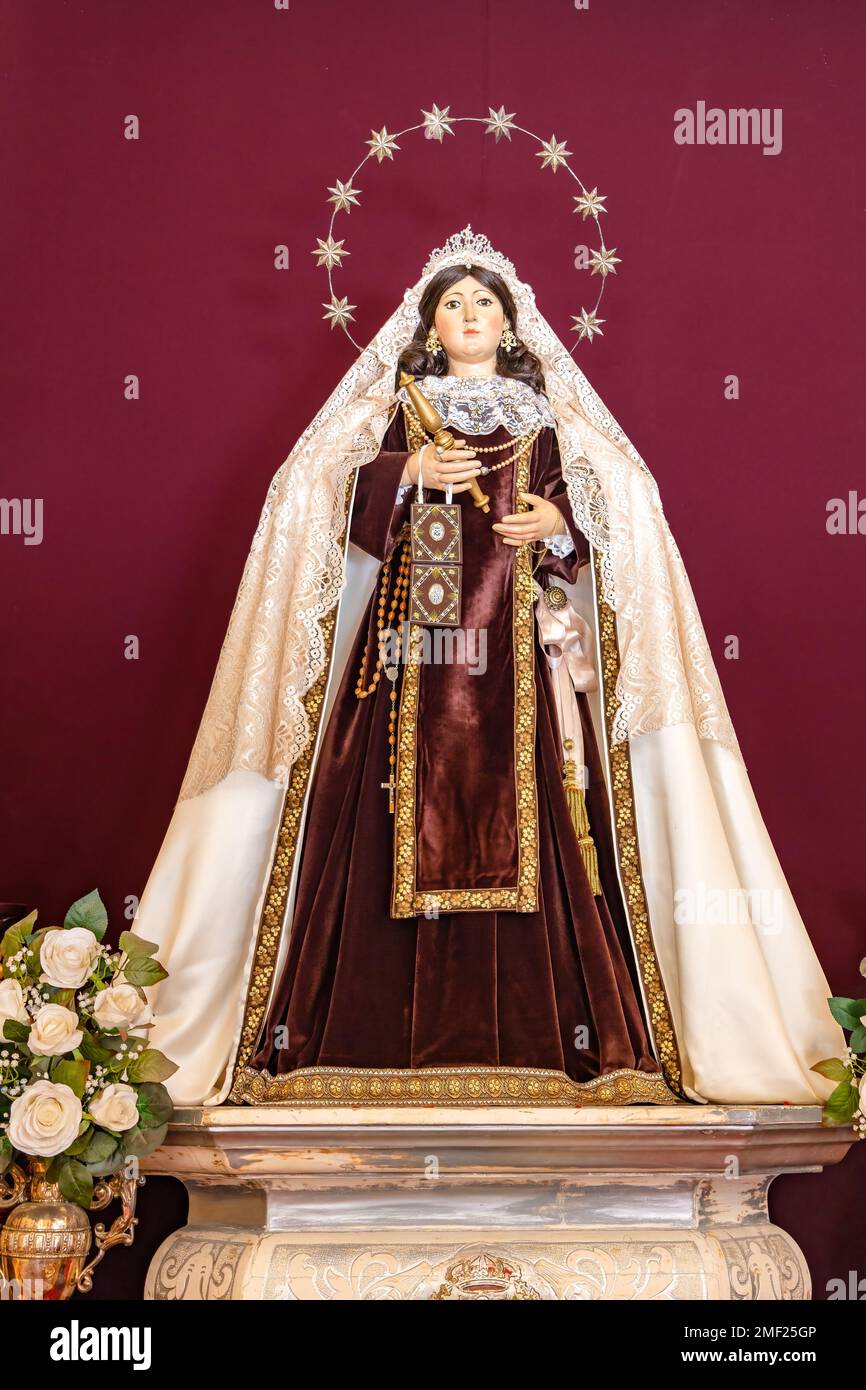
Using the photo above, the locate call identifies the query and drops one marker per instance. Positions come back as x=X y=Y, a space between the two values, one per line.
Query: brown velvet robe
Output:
x=363 y=988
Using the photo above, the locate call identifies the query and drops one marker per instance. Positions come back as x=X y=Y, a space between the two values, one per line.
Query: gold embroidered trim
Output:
x=406 y=900
x=460 y=1086
x=628 y=851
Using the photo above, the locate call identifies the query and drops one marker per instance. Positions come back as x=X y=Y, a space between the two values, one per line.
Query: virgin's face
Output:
x=469 y=320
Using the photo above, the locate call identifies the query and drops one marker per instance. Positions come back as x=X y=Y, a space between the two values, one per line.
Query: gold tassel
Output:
x=580 y=820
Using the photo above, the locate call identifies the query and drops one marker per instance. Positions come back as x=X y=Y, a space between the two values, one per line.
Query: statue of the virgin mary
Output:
x=473 y=831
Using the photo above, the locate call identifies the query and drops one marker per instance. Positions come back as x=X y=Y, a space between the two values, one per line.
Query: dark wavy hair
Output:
x=519 y=362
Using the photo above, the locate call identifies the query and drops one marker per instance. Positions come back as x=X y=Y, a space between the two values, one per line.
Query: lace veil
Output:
x=274 y=649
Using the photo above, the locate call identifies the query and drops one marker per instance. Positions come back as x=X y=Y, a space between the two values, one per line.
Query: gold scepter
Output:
x=442 y=438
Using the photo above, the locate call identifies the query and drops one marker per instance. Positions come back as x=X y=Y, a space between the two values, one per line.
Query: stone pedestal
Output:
x=425 y=1203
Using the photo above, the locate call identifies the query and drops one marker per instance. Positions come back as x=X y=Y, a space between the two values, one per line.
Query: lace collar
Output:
x=479 y=404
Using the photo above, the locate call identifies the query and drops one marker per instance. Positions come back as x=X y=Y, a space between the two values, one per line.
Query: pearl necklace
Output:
x=522 y=446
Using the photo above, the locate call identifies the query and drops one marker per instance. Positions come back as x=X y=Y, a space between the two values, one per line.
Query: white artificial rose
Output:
x=120 y=1006
x=12 y=1003
x=116 y=1107
x=67 y=955
x=44 y=1119
x=55 y=1031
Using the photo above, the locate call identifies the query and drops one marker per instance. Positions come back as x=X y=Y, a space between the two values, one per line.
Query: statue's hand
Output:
x=455 y=466
x=543 y=519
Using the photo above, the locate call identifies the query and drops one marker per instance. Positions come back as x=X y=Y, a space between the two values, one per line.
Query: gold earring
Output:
x=433 y=342
x=508 y=339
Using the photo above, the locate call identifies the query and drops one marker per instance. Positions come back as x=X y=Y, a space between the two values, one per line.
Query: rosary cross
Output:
x=391 y=672
x=391 y=787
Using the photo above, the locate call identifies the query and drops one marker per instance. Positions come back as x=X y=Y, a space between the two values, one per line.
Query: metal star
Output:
x=586 y=325
x=343 y=195
x=604 y=262
x=591 y=204
x=382 y=144
x=552 y=153
x=329 y=252
x=339 y=311
x=500 y=123
x=437 y=123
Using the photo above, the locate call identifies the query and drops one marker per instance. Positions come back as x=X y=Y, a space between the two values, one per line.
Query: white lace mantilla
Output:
x=480 y=404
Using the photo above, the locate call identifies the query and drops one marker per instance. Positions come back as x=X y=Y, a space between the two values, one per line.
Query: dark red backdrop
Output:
x=155 y=257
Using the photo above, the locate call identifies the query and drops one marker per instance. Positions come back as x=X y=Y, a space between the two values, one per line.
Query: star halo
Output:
x=437 y=123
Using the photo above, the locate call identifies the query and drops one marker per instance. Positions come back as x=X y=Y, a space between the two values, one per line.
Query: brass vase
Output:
x=45 y=1240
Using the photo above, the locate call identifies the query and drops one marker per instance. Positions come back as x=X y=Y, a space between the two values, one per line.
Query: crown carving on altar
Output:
x=468 y=248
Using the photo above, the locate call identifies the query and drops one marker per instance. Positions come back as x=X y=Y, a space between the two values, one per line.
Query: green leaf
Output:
x=78 y=1145
x=154 y=1105
x=847 y=1012
x=108 y=1165
x=135 y=945
x=833 y=1069
x=52 y=1172
x=843 y=1103
x=92 y=1049
x=15 y=1031
x=152 y=1065
x=103 y=1148
x=143 y=970
x=70 y=1073
x=857 y=1040
x=76 y=1183
x=7 y=1153
x=88 y=912
x=15 y=936
x=141 y=1142
x=33 y=962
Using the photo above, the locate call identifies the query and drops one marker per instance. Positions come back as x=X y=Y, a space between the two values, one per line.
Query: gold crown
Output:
x=468 y=248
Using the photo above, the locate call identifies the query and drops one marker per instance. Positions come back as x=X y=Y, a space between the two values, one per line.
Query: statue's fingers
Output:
x=455 y=465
